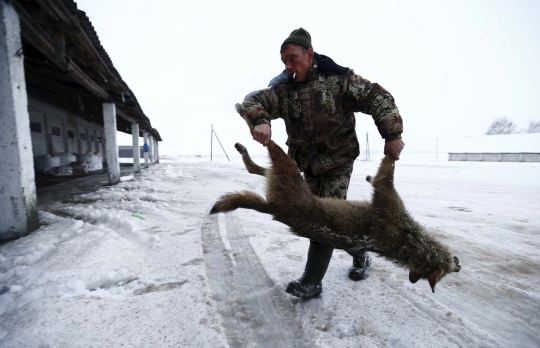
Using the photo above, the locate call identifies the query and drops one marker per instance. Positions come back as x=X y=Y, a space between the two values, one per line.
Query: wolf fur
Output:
x=383 y=225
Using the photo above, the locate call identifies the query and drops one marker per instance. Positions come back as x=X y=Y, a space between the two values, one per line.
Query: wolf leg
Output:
x=385 y=174
x=251 y=166
x=284 y=179
x=386 y=200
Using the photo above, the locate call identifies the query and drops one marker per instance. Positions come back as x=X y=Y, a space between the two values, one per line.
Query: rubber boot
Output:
x=361 y=261
x=310 y=284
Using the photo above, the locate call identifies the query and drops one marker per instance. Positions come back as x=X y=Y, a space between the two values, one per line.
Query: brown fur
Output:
x=383 y=225
x=251 y=166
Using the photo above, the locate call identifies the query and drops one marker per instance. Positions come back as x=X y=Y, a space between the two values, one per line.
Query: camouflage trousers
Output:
x=333 y=183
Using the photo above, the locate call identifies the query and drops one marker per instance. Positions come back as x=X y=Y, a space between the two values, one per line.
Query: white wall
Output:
x=48 y=116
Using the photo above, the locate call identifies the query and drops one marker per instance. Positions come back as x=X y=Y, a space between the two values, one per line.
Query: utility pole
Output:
x=213 y=132
x=368 y=156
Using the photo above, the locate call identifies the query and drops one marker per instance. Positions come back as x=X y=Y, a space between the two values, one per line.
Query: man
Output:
x=146 y=149
x=317 y=99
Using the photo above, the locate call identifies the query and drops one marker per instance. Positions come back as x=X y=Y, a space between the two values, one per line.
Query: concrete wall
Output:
x=495 y=157
x=49 y=116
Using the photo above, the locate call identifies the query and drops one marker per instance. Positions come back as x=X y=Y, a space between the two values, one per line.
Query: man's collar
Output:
x=313 y=72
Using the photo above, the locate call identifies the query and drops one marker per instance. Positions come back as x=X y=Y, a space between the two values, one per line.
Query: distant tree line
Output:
x=505 y=126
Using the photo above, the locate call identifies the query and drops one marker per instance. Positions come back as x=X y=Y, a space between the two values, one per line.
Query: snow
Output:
x=97 y=274
x=46 y=162
x=93 y=161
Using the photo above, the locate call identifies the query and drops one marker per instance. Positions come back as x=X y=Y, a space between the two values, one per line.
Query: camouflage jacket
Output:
x=319 y=114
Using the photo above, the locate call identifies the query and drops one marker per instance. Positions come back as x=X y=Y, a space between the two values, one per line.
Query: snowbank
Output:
x=66 y=158
x=46 y=162
x=92 y=161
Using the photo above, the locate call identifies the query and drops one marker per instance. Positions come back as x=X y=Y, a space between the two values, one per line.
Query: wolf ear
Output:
x=432 y=279
x=457 y=265
x=413 y=277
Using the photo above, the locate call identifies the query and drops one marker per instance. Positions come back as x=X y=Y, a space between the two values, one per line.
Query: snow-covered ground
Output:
x=141 y=264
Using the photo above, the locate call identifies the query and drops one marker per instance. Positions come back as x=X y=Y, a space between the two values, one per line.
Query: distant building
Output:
x=495 y=157
x=523 y=147
x=127 y=152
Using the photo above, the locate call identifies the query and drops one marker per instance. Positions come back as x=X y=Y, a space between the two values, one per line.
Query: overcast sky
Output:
x=452 y=66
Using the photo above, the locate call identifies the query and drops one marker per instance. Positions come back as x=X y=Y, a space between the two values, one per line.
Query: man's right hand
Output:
x=262 y=133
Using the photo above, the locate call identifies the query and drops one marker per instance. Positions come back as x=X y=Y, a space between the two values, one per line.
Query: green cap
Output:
x=300 y=37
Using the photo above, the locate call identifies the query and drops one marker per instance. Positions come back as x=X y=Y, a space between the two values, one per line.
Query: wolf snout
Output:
x=458 y=266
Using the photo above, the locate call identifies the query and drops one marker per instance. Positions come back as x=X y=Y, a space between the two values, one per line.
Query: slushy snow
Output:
x=96 y=275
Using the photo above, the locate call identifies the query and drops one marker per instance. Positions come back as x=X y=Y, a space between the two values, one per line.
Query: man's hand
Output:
x=262 y=133
x=393 y=148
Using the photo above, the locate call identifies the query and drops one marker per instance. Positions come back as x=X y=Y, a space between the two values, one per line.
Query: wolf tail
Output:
x=245 y=199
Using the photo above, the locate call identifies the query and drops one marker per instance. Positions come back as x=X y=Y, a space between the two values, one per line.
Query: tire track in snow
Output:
x=253 y=309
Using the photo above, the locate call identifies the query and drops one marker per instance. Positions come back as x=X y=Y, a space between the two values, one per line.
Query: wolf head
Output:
x=433 y=276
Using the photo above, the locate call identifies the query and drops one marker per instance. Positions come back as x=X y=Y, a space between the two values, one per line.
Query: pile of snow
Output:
x=46 y=162
x=92 y=161
x=66 y=158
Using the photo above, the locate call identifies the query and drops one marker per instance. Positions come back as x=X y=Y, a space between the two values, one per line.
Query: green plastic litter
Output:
x=138 y=216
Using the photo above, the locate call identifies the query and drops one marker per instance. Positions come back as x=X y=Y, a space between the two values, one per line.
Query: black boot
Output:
x=361 y=261
x=309 y=285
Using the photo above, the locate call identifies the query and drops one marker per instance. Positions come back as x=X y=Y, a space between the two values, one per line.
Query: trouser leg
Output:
x=361 y=261
x=310 y=284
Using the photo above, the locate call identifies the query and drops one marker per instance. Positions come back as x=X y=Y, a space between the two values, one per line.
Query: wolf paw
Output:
x=240 y=148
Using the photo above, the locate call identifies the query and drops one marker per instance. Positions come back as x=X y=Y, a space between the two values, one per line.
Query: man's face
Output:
x=297 y=62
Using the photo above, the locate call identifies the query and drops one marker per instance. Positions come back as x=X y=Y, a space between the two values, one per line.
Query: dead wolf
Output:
x=383 y=226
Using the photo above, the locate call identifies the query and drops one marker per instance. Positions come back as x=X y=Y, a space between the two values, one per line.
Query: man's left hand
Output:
x=393 y=148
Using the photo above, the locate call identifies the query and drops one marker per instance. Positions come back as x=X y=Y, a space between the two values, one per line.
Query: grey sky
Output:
x=452 y=66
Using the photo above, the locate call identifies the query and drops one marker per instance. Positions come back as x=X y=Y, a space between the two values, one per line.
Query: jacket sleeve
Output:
x=261 y=106
x=360 y=95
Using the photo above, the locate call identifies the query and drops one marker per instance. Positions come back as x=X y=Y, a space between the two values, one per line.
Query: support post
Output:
x=156 y=150
x=109 y=123
x=18 y=201
x=48 y=138
x=78 y=139
x=64 y=136
x=145 y=138
x=151 y=149
x=136 y=150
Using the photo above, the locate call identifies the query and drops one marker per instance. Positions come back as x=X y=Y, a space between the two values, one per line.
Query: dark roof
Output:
x=66 y=65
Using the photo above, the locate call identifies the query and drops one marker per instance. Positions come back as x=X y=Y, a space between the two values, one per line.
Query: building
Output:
x=59 y=93
x=522 y=147
x=127 y=152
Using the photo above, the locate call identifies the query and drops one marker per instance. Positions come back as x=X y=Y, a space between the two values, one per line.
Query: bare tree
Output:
x=534 y=127
x=502 y=126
